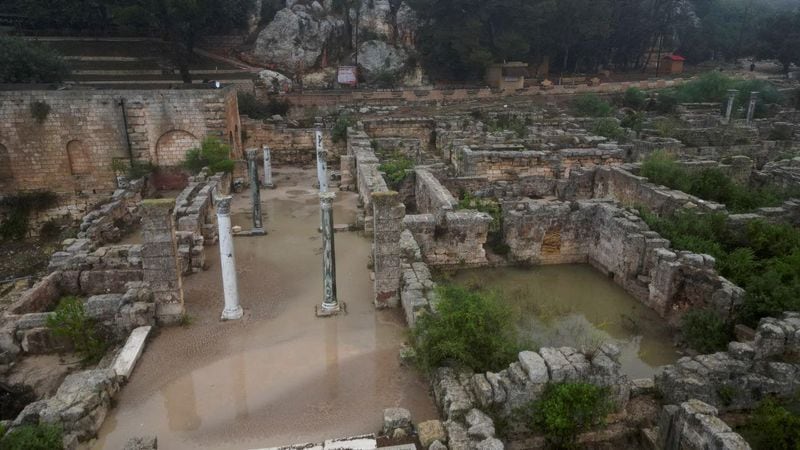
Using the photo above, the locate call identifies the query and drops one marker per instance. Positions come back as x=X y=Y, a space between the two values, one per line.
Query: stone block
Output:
x=431 y=431
x=104 y=305
x=534 y=366
x=394 y=418
x=129 y=354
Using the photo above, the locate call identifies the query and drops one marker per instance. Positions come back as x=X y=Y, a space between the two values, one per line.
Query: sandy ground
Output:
x=280 y=375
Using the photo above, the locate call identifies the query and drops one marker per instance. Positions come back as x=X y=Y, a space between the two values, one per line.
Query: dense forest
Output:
x=458 y=38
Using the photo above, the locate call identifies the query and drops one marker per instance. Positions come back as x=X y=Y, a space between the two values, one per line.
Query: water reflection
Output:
x=576 y=306
x=181 y=405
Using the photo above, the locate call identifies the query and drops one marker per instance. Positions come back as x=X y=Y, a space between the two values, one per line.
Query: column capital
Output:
x=326 y=198
x=251 y=154
x=224 y=206
x=754 y=94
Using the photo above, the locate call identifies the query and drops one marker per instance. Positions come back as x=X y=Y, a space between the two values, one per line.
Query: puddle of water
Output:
x=576 y=306
x=280 y=375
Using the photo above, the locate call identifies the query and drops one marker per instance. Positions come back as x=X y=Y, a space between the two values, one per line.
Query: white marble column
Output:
x=230 y=286
x=267 y=168
x=729 y=110
x=322 y=165
x=330 y=303
x=751 y=107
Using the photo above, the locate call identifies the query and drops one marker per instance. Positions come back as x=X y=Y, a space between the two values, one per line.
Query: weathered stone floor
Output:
x=280 y=375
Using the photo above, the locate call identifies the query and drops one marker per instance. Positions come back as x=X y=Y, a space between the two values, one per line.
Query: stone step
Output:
x=126 y=359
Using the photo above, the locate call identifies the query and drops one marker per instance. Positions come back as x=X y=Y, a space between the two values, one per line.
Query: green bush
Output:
x=33 y=437
x=666 y=102
x=339 y=131
x=511 y=123
x=590 y=105
x=39 y=111
x=19 y=207
x=763 y=258
x=469 y=329
x=781 y=133
x=212 y=154
x=710 y=184
x=705 y=331
x=250 y=106
x=133 y=170
x=27 y=62
x=609 y=127
x=396 y=169
x=635 y=98
x=634 y=121
x=712 y=87
x=773 y=427
x=567 y=409
x=70 y=320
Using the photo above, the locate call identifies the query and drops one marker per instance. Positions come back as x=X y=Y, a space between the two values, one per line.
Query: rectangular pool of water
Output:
x=576 y=306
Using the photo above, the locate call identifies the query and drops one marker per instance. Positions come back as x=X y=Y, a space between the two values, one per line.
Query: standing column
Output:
x=230 y=286
x=255 y=192
x=330 y=304
x=267 y=168
x=751 y=107
x=322 y=165
x=731 y=97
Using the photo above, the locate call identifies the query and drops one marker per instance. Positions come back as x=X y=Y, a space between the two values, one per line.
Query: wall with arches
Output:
x=71 y=151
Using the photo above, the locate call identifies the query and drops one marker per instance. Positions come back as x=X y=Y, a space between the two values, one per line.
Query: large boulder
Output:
x=275 y=82
x=378 y=57
x=375 y=19
x=296 y=37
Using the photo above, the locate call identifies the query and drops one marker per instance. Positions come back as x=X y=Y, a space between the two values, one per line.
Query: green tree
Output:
x=212 y=154
x=779 y=38
x=568 y=409
x=25 y=62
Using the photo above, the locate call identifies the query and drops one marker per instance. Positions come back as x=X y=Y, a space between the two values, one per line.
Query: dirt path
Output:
x=280 y=375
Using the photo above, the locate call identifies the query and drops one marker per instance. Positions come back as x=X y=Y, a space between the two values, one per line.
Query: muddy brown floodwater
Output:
x=280 y=375
x=575 y=305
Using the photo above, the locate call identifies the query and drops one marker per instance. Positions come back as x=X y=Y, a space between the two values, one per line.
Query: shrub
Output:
x=395 y=169
x=212 y=154
x=781 y=133
x=608 y=127
x=133 y=170
x=705 y=331
x=19 y=206
x=471 y=329
x=250 y=106
x=339 y=131
x=33 y=437
x=773 y=427
x=568 y=409
x=592 y=106
x=634 y=121
x=666 y=102
x=50 y=229
x=70 y=320
x=39 y=111
x=635 y=98
x=27 y=62
x=511 y=123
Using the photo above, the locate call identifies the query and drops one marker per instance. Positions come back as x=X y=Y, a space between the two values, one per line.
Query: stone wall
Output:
x=195 y=220
x=160 y=262
x=289 y=146
x=745 y=374
x=431 y=196
x=72 y=149
x=110 y=221
x=620 y=244
x=463 y=396
x=388 y=219
x=368 y=178
x=694 y=425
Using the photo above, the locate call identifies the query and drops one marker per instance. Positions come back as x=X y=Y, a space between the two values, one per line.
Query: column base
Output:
x=258 y=232
x=322 y=311
x=268 y=185
x=232 y=314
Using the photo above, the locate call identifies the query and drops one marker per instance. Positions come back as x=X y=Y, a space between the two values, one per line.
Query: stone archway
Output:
x=172 y=146
x=5 y=164
x=80 y=162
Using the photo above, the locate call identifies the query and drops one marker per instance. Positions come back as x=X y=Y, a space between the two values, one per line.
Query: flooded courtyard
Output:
x=576 y=306
x=280 y=375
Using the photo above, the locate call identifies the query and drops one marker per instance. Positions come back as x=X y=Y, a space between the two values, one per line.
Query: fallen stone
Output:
x=437 y=445
x=394 y=418
x=129 y=354
x=429 y=432
x=142 y=443
x=490 y=444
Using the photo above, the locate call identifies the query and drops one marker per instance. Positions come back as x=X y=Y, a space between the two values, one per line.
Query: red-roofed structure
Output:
x=672 y=64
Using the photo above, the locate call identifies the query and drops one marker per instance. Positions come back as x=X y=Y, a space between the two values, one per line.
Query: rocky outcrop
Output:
x=742 y=376
x=297 y=37
x=378 y=58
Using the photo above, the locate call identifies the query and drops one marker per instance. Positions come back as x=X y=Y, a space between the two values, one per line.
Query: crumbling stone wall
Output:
x=368 y=177
x=90 y=124
x=289 y=146
x=618 y=243
x=159 y=259
x=431 y=196
x=109 y=222
x=694 y=425
x=463 y=396
x=417 y=128
x=745 y=374
x=195 y=220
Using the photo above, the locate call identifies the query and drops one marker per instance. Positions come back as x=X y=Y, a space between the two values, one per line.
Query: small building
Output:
x=507 y=76
x=672 y=64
